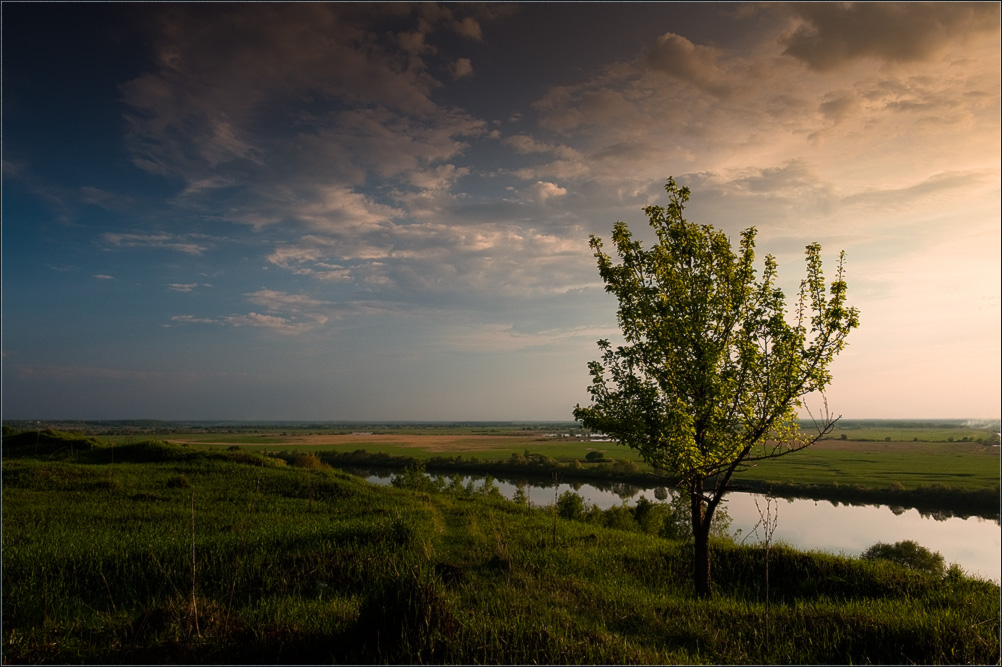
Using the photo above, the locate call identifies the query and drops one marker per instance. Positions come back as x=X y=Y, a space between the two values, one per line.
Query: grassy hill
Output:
x=158 y=553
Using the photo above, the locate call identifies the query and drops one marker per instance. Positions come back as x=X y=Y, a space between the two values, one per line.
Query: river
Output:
x=975 y=544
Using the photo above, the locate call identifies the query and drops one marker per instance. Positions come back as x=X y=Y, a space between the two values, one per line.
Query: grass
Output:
x=880 y=465
x=425 y=447
x=298 y=563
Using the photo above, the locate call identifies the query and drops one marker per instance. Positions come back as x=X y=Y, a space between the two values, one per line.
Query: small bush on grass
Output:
x=309 y=461
x=909 y=554
x=570 y=505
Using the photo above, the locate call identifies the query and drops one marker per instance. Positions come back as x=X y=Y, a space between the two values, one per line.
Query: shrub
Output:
x=570 y=505
x=309 y=461
x=413 y=477
x=909 y=554
x=620 y=517
x=646 y=514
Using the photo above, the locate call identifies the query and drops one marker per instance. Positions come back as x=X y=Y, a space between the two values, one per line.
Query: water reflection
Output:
x=973 y=543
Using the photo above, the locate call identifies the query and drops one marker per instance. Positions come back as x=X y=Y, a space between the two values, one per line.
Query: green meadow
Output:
x=968 y=466
x=151 y=552
x=930 y=466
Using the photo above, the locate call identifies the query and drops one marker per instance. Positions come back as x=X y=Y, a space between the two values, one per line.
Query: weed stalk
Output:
x=194 y=601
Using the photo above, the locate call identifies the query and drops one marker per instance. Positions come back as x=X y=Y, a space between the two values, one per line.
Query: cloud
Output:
x=831 y=34
x=523 y=143
x=310 y=258
x=290 y=313
x=680 y=58
x=442 y=177
x=212 y=111
x=185 y=288
x=541 y=192
x=168 y=241
x=275 y=300
x=468 y=27
x=339 y=207
x=387 y=143
x=285 y=313
x=501 y=338
x=433 y=260
x=282 y=325
x=884 y=199
x=462 y=68
x=103 y=276
x=104 y=199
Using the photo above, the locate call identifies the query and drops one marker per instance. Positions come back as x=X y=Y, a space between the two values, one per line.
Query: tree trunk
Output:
x=701 y=516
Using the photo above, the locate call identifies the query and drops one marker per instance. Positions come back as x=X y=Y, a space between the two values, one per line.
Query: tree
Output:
x=713 y=367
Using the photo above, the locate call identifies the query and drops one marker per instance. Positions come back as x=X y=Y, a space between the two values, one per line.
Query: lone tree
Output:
x=713 y=366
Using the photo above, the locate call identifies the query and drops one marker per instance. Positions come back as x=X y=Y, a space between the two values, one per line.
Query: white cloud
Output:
x=542 y=191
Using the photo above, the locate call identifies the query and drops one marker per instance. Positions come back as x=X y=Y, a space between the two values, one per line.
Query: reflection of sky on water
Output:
x=975 y=544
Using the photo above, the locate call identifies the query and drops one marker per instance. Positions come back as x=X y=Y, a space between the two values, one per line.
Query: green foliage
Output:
x=309 y=461
x=909 y=554
x=713 y=366
x=570 y=505
x=413 y=477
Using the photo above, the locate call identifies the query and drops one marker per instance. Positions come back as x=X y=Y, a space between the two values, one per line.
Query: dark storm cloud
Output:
x=835 y=33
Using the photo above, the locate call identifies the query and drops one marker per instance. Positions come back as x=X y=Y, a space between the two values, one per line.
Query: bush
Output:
x=414 y=478
x=309 y=461
x=570 y=505
x=908 y=554
x=620 y=517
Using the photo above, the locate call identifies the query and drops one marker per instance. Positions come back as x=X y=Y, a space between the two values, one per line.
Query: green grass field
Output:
x=879 y=464
x=883 y=464
x=157 y=553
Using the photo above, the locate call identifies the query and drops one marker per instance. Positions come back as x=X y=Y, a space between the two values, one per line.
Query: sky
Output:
x=319 y=211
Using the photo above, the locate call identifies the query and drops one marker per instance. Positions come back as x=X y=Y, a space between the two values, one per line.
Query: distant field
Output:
x=422 y=445
x=875 y=454
x=874 y=464
x=930 y=434
x=881 y=464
